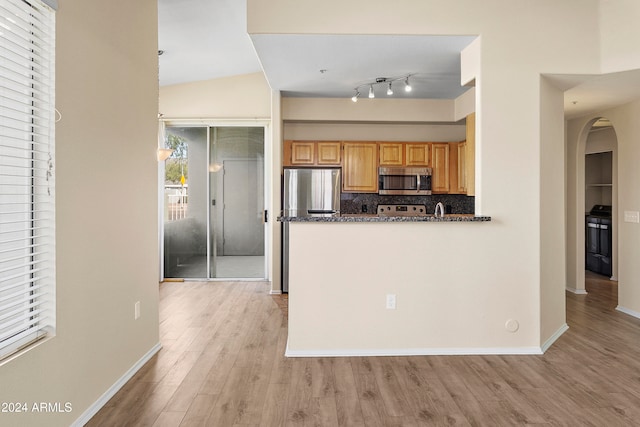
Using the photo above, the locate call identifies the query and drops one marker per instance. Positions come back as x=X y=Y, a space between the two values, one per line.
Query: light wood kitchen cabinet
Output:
x=328 y=153
x=360 y=167
x=391 y=154
x=311 y=153
x=470 y=155
x=303 y=153
x=417 y=154
x=404 y=153
x=440 y=165
x=457 y=168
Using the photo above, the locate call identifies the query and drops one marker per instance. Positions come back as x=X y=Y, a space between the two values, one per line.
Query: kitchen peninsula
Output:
x=383 y=285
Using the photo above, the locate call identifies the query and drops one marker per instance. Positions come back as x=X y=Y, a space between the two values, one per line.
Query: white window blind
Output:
x=27 y=216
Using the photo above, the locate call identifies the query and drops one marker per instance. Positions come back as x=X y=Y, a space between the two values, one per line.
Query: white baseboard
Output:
x=628 y=311
x=414 y=352
x=275 y=292
x=98 y=404
x=557 y=334
x=577 y=291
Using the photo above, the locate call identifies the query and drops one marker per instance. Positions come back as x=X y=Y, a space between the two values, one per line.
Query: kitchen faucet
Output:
x=440 y=208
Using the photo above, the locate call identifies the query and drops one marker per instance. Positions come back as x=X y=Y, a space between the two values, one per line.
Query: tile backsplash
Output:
x=352 y=203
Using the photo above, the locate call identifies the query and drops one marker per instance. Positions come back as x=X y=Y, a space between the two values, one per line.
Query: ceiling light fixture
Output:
x=407 y=86
x=387 y=81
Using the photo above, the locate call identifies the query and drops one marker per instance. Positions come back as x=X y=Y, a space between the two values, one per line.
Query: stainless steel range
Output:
x=402 y=210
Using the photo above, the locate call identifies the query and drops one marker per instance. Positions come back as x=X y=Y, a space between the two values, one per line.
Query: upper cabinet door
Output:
x=329 y=153
x=391 y=154
x=417 y=154
x=302 y=153
x=440 y=165
x=462 y=168
x=360 y=167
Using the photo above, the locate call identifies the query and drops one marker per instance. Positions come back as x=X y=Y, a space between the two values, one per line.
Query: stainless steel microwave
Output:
x=404 y=181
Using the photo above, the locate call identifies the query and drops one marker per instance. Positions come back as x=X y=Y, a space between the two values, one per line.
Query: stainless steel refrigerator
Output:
x=307 y=192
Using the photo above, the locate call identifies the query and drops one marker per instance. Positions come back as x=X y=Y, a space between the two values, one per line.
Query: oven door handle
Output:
x=418 y=182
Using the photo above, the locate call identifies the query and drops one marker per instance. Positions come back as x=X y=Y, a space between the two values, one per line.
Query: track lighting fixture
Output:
x=387 y=81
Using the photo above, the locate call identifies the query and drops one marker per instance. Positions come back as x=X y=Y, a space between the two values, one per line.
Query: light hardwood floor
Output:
x=222 y=364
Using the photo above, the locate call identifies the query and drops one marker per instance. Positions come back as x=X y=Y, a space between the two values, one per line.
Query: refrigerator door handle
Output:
x=321 y=211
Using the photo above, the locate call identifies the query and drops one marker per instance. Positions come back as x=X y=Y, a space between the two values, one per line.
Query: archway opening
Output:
x=596 y=204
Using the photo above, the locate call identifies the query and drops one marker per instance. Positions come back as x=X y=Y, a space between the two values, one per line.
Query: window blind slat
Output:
x=21 y=340
x=18 y=325
x=31 y=302
x=26 y=282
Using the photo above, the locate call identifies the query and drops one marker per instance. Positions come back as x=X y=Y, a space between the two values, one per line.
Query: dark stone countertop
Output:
x=376 y=218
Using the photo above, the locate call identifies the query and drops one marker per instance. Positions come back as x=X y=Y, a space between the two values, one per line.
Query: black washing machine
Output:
x=598 y=234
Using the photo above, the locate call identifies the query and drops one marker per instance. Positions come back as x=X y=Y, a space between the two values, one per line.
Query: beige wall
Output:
x=238 y=97
x=619 y=35
x=552 y=208
x=106 y=176
x=506 y=260
x=601 y=141
x=625 y=198
x=374 y=132
x=368 y=110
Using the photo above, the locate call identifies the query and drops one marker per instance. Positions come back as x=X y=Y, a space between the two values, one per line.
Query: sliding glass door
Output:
x=214 y=203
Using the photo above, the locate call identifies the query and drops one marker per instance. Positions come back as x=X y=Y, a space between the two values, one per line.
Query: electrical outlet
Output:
x=391 y=301
x=136 y=310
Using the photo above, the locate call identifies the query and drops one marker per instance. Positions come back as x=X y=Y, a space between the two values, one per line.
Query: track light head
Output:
x=371 y=94
x=354 y=98
x=407 y=86
x=389 y=90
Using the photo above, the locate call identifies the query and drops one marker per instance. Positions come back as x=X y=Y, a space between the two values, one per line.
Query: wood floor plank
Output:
x=371 y=404
x=346 y=393
x=274 y=408
x=199 y=411
x=169 y=419
x=323 y=412
x=299 y=394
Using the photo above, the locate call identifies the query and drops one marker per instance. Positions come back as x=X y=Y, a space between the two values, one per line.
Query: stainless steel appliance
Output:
x=402 y=210
x=307 y=192
x=599 y=235
x=404 y=181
